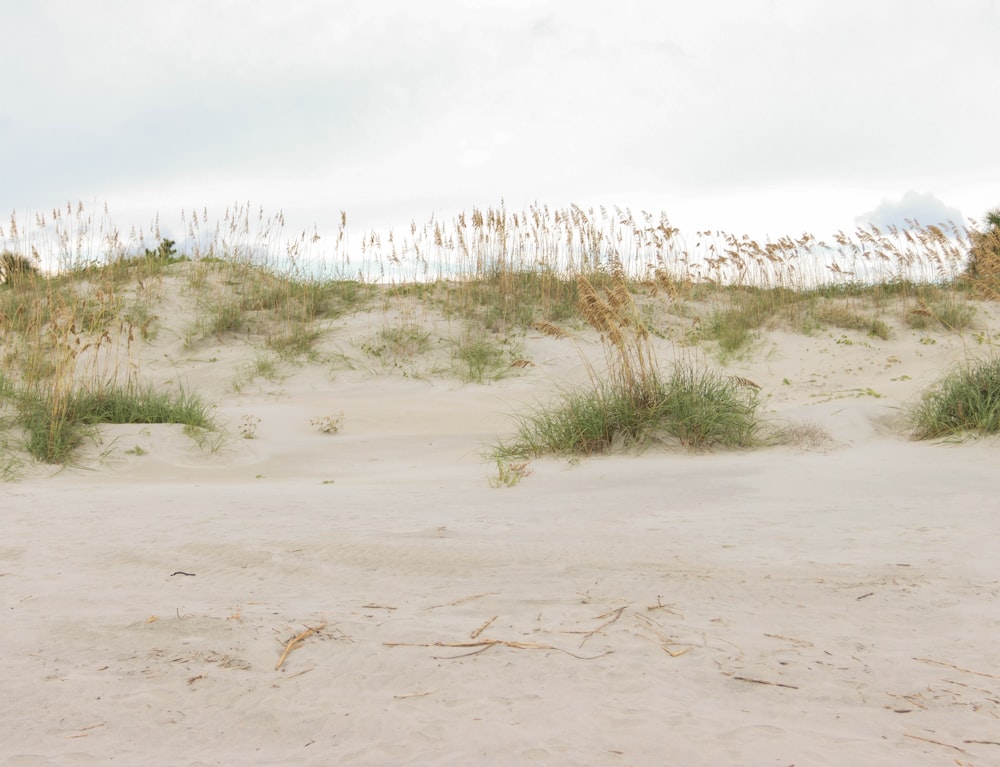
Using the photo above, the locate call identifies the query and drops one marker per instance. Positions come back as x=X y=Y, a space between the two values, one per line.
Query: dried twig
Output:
x=487 y=643
x=664 y=639
x=793 y=640
x=463 y=600
x=475 y=634
x=660 y=606
x=296 y=641
x=957 y=668
x=615 y=615
x=764 y=681
x=935 y=742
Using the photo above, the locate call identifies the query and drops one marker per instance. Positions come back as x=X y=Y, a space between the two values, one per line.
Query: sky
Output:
x=767 y=117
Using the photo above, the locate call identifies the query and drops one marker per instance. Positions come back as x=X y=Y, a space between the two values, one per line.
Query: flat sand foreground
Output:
x=828 y=604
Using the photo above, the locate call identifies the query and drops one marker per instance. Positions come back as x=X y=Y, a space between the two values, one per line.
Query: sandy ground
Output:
x=825 y=604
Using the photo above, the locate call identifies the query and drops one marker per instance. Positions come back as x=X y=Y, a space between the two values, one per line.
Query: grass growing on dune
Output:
x=77 y=299
x=695 y=408
x=965 y=401
x=55 y=423
x=632 y=403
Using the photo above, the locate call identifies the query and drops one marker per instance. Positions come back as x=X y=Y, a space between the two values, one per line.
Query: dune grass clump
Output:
x=698 y=409
x=56 y=423
x=632 y=403
x=965 y=401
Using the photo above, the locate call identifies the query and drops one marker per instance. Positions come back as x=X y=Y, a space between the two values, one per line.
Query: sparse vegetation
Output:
x=248 y=426
x=482 y=358
x=75 y=309
x=509 y=473
x=328 y=424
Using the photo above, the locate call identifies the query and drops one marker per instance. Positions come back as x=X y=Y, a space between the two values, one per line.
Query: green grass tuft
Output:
x=55 y=427
x=694 y=408
x=967 y=400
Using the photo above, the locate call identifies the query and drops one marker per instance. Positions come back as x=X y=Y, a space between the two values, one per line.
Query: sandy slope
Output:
x=808 y=605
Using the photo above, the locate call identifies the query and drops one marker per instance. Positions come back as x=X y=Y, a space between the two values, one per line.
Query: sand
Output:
x=824 y=603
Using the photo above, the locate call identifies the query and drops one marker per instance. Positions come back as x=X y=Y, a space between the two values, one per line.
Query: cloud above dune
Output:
x=913 y=208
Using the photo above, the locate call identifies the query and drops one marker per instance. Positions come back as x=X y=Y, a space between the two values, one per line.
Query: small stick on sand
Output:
x=487 y=643
x=957 y=668
x=793 y=640
x=660 y=606
x=616 y=614
x=936 y=742
x=296 y=641
x=475 y=634
x=463 y=600
x=764 y=681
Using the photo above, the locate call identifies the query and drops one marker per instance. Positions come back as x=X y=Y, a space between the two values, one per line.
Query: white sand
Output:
x=833 y=605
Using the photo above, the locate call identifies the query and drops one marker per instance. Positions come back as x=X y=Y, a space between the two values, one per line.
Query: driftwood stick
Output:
x=296 y=641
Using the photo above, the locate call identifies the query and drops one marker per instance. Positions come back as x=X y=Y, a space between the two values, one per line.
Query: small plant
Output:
x=328 y=424
x=263 y=366
x=966 y=400
x=396 y=344
x=294 y=340
x=248 y=426
x=509 y=473
x=480 y=358
x=137 y=450
x=879 y=329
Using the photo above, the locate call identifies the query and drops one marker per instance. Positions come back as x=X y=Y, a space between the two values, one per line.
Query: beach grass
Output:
x=631 y=402
x=691 y=407
x=966 y=401
x=77 y=298
x=55 y=423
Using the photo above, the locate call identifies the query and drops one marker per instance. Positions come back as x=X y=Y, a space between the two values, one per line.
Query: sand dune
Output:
x=826 y=603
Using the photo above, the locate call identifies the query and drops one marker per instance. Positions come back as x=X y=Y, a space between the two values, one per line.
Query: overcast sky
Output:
x=760 y=116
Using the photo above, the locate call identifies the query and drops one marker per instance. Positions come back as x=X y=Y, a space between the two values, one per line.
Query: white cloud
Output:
x=920 y=208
